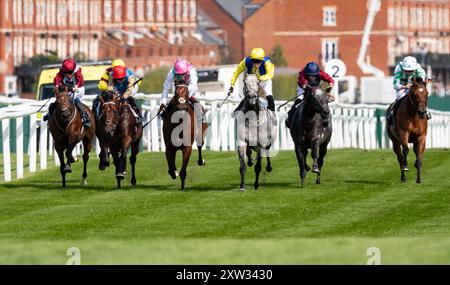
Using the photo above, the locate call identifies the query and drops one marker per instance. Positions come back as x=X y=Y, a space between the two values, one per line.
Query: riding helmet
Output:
x=312 y=69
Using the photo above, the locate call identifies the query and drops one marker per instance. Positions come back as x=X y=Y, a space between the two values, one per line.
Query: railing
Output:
x=354 y=126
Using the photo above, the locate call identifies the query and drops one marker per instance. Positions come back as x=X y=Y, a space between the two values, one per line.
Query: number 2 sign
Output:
x=336 y=68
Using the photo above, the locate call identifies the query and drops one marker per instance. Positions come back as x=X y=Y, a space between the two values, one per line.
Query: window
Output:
x=107 y=10
x=160 y=10
x=118 y=11
x=6 y=3
x=329 y=49
x=170 y=10
x=130 y=10
x=149 y=9
x=391 y=17
x=193 y=10
x=62 y=14
x=178 y=8
x=140 y=10
x=329 y=16
x=185 y=11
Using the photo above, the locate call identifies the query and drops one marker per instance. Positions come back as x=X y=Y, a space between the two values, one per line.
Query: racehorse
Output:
x=121 y=126
x=181 y=135
x=106 y=125
x=67 y=130
x=256 y=130
x=410 y=126
x=308 y=132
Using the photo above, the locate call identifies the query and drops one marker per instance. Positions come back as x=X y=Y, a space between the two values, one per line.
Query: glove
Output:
x=230 y=91
x=162 y=107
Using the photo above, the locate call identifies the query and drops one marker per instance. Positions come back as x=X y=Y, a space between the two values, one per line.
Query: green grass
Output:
x=360 y=204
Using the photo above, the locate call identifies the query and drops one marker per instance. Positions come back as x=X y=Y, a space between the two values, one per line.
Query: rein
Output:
x=70 y=122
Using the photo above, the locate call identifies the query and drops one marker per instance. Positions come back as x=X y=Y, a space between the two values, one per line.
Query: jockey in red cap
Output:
x=70 y=76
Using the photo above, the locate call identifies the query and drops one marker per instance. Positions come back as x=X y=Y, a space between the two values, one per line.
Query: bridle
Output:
x=108 y=122
x=414 y=101
x=64 y=108
x=182 y=100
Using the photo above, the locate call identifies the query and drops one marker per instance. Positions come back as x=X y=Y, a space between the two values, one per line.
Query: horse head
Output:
x=316 y=100
x=181 y=95
x=251 y=89
x=63 y=105
x=110 y=112
x=419 y=95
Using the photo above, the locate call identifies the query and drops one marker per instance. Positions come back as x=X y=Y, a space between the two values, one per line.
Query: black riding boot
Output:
x=391 y=112
x=270 y=103
x=133 y=104
x=84 y=115
x=291 y=112
x=51 y=109
x=96 y=108
x=241 y=104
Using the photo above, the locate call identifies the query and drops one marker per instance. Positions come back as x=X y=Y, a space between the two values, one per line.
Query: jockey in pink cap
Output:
x=181 y=72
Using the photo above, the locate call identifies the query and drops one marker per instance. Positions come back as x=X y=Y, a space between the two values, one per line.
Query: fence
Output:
x=354 y=126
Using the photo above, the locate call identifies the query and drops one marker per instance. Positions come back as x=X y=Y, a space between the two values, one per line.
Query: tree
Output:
x=277 y=57
x=28 y=71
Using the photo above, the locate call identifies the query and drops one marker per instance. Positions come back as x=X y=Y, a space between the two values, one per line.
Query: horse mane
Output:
x=420 y=81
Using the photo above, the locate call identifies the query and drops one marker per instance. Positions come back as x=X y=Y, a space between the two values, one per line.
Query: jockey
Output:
x=122 y=82
x=103 y=84
x=257 y=63
x=404 y=74
x=308 y=77
x=70 y=75
x=182 y=70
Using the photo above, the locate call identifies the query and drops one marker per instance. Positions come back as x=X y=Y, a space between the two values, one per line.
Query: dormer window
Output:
x=329 y=16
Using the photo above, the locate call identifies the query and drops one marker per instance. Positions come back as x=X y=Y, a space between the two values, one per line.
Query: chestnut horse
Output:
x=67 y=130
x=410 y=126
x=118 y=131
x=181 y=135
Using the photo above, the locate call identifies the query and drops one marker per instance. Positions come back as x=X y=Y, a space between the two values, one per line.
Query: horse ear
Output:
x=428 y=80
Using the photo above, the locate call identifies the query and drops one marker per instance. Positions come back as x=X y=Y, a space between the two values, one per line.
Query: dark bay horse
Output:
x=410 y=126
x=106 y=125
x=180 y=130
x=67 y=130
x=256 y=131
x=308 y=132
x=121 y=131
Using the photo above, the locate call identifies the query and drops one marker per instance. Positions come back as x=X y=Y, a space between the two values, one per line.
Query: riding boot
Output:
x=270 y=103
x=391 y=112
x=84 y=115
x=96 y=108
x=291 y=112
x=51 y=109
x=428 y=114
x=133 y=104
x=241 y=104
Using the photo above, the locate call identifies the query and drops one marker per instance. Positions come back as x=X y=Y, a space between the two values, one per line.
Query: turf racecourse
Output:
x=360 y=204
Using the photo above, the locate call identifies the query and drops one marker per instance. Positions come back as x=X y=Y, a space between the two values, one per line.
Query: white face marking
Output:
x=420 y=89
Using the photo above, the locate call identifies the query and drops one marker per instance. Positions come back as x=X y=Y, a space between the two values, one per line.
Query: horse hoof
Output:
x=256 y=186
x=242 y=189
x=318 y=181
x=133 y=181
x=418 y=181
x=67 y=169
x=83 y=181
x=316 y=170
x=403 y=178
x=101 y=166
x=250 y=162
x=269 y=168
x=405 y=168
x=201 y=162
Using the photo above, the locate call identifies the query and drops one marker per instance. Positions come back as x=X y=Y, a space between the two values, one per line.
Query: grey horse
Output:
x=256 y=130
x=309 y=132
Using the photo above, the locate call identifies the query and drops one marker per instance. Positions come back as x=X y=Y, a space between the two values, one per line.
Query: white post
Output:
x=19 y=147
x=6 y=150
x=214 y=127
x=155 y=134
x=32 y=143
x=43 y=145
x=231 y=122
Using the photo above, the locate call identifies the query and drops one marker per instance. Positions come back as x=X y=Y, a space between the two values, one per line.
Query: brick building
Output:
x=320 y=30
x=147 y=33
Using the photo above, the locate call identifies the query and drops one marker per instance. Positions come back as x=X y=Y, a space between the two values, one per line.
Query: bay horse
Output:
x=256 y=131
x=121 y=131
x=180 y=129
x=410 y=126
x=67 y=130
x=106 y=125
x=308 y=132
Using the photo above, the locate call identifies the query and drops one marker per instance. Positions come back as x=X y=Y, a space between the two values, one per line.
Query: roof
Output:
x=233 y=8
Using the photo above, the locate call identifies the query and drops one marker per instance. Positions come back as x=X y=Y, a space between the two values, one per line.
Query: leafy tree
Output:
x=277 y=57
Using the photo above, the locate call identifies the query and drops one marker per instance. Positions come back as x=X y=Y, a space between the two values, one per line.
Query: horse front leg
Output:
x=257 y=168
x=301 y=164
x=322 y=153
x=183 y=172
x=419 y=149
x=60 y=150
x=72 y=142
x=87 y=146
x=103 y=155
x=126 y=141
x=200 y=140
x=133 y=158
x=315 y=155
x=170 y=157
x=243 y=166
